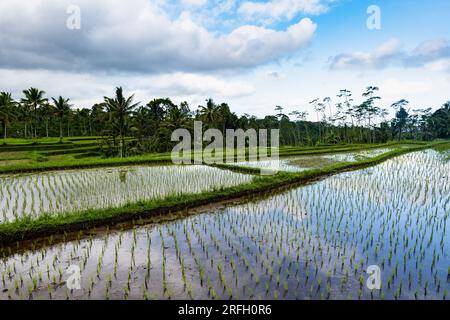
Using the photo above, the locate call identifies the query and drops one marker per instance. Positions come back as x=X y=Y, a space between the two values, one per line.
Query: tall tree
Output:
x=46 y=112
x=178 y=117
x=318 y=108
x=369 y=108
x=439 y=122
x=210 y=113
x=23 y=115
x=401 y=116
x=83 y=117
x=62 y=108
x=34 y=98
x=120 y=108
x=7 y=105
x=345 y=110
x=301 y=116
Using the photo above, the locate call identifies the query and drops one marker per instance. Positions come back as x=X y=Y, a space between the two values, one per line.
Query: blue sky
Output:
x=252 y=54
x=413 y=21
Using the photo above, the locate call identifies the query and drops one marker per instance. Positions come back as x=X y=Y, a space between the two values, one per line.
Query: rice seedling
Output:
x=314 y=241
x=31 y=195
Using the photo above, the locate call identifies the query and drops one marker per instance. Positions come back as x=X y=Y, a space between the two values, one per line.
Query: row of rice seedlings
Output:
x=311 y=242
x=74 y=191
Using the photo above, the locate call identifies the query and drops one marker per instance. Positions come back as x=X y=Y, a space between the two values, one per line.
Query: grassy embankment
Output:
x=83 y=152
x=163 y=209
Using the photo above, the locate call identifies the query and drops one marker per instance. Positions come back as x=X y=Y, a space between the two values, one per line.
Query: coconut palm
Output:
x=178 y=117
x=7 y=105
x=46 y=113
x=34 y=98
x=120 y=109
x=210 y=113
x=62 y=107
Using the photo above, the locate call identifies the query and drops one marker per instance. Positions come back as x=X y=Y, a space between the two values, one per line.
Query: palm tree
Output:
x=7 y=105
x=177 y=117
x=120 y=108
x=141 y=121
x=62 y=107
x=210 y=113
x=225 y=115
x=34 y=98
x=98 y=118
x=46 y=111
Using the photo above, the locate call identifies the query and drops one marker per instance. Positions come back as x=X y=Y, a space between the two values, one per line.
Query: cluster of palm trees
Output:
x=150 y=125
x=28 y=110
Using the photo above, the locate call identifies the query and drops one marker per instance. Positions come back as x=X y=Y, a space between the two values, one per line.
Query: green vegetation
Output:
x=339 y=121
x=300 y=233
x=26 y=227
x=29 y=196
x=310 y=242
x=22 y=155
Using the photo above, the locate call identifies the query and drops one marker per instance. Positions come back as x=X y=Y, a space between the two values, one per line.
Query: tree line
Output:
x=129 y=127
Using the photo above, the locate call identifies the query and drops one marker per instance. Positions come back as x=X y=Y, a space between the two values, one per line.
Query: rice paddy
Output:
x=311 y=242
x=302 y=163
x=31 y=195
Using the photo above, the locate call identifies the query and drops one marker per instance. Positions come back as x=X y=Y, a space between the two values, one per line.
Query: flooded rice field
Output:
x=30 y=195
x=302 y=163
x=312 y=242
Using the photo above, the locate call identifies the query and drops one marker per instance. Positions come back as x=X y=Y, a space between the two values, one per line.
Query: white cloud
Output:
x=431 y=47
x=382 y=56
x=86 y=89
x=438 y=65
x=201 y=85
x=428 y=52
x=194 y=2
x=432 y=53
x=134 y=35
x=275 y=10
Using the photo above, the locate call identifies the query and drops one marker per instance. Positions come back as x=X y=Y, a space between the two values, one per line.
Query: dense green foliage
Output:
x=338 y=121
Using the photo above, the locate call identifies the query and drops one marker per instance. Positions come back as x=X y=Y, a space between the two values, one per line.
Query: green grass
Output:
x=49 y=140
x=20 y=141
x=27 y=228
x=442 y=147
x=81 y=152
x=313 y=162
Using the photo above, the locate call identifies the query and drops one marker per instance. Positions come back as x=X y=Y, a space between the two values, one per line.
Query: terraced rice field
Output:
x=31 y=195
x=313 y=242
x=302 y=163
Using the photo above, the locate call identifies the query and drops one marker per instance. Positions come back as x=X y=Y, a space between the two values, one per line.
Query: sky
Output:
x=252 y=54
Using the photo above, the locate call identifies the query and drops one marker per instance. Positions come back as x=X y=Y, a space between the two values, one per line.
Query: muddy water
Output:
x=308 y=243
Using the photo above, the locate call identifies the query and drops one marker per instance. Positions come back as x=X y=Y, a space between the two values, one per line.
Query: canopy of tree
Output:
x=119 y=118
